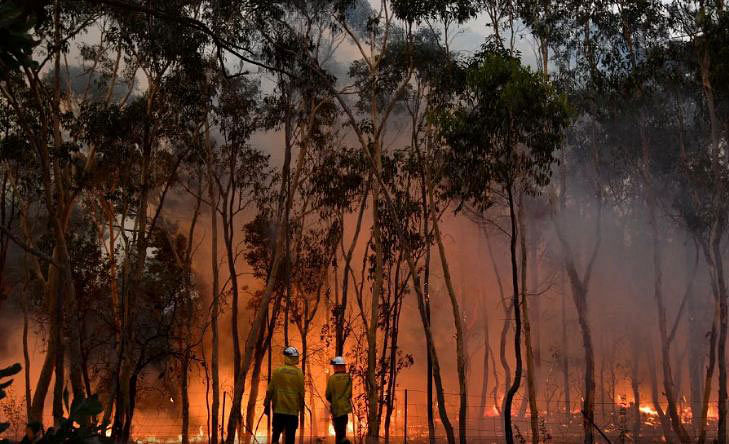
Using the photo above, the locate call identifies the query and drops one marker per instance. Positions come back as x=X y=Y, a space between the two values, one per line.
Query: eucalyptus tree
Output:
x=37 y=105
x=520 y=122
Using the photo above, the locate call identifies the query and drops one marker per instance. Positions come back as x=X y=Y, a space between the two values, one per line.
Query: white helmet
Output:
x=291 y=351
x=338 y=361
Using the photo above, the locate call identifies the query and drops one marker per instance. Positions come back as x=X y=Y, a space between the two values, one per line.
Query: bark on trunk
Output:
x=486 y=355
x=447 y=427
x=341 y=309
x=709 y=378
x=458 y=320
x=565 y=358
x=426 y=296
x=373 y=420
x=531 y=368
x=215 y=306
x=26 y=362
x=665 y=422
x=508 y=433
x=185 y=395
x=635 y=385
x=723 y=322
x=505 y=326
x=658 y=292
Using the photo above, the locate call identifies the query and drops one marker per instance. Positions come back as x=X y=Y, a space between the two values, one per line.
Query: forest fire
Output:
x=648 y=410
x=452 y=221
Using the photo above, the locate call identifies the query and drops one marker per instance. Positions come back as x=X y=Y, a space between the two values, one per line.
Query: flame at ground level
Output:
x=648 y=410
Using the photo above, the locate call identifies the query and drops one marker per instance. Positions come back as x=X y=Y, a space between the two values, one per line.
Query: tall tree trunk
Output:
x=486 y=355
x=26 y=361
x=635 y=383
x=588 y=404
x=443 y=413
x=723 y=323
x=579 y=287
x=531 y=370
x=185 y=395
x=508 y=432
x=508 y=307
x=259 y=319
x=658 y=292
x=709 y=378
x=59 y=376
x=341 y=309
x=392 y=373
x=46 y=373
x=228 y=227
x=250 y=419
x=697 y=358
x=426 y=296
x=565 y=362
x=373 y=421
x=717 y=226
x=458 y=320
x=215 y=306
x=665 y=423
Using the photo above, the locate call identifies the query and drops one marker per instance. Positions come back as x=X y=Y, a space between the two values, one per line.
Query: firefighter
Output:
x=286 y=393
x=339 y=395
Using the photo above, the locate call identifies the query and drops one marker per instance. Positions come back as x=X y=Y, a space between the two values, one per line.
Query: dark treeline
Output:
x=187 y=185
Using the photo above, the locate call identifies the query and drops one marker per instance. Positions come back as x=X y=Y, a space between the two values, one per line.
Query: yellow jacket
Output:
x=339 y=394
x=286 y=389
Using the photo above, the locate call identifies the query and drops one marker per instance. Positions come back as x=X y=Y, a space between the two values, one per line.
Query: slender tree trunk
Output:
x=426 y=296
x=565 y=356
x=59 y=376
x=250 y=419
x=717 y=229
x=215 y=307
x=709 y=378
x=26 y=362
x=228 y=229
x=341 y=309
x=504 y=328
x=508 y=432
x=658 y=294
x=373 y=421
x=579 y=286
x=723 y=323
x=458 y=320
x=443 y=413
x=531 y=370
x=259 y=318
x=665 y=422
x=184 y=383
x=486 y=355
x=697 y=358
x=588 y=405
x=635 y=384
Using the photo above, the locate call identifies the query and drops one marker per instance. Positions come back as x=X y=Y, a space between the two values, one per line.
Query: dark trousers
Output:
x=340 y=429
x=286 y=424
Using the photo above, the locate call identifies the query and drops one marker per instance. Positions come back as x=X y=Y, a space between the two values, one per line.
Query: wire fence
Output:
x=559 y=422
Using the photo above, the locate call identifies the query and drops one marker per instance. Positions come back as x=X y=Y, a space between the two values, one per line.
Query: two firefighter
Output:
x=286 y=393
